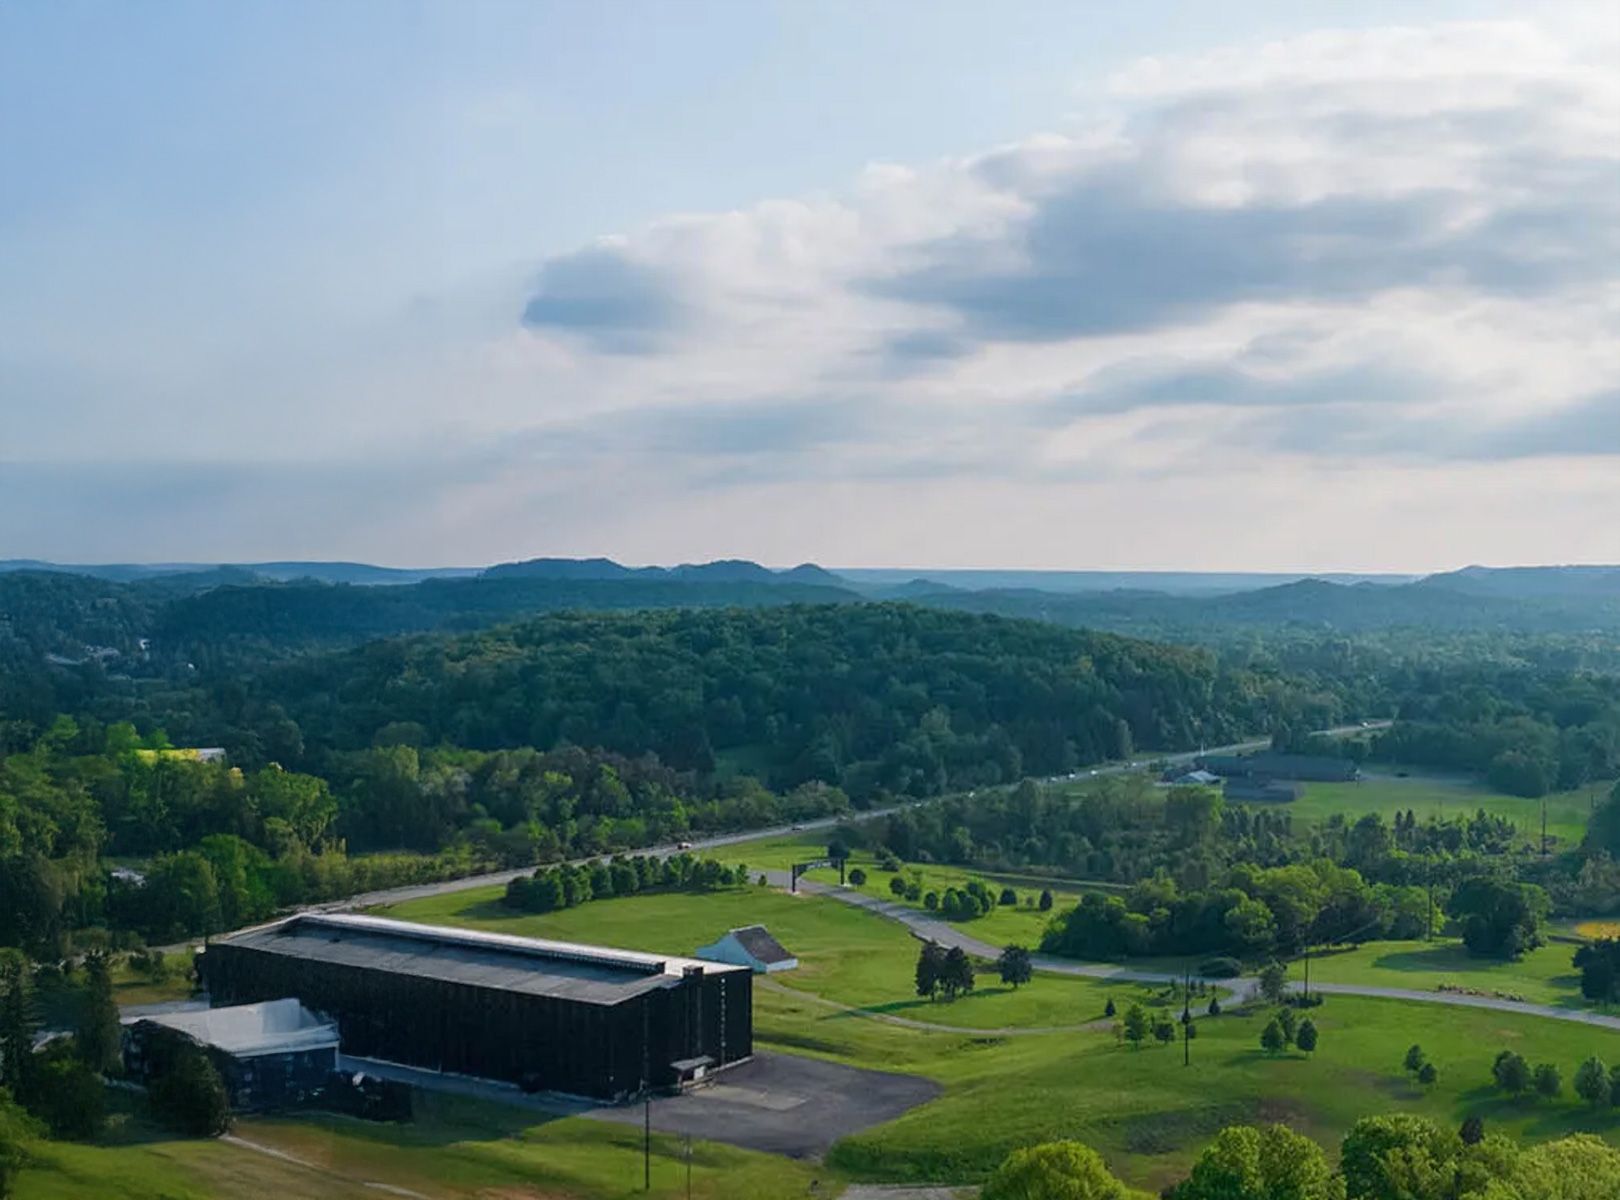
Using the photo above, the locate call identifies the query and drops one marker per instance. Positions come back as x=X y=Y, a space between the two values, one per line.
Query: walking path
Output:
x=929 y=929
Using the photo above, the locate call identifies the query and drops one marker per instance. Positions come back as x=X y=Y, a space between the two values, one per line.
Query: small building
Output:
x=269 y=1055
x=1196 y=779
x=1266 y=791
x=751 y=946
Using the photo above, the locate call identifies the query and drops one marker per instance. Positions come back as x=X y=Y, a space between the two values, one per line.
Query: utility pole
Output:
x=1544 y=827
x=688 y=1167
x=646 y=1138
x=1307 y=975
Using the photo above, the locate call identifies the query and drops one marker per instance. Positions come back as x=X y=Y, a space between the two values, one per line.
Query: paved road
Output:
x=502 y=878
x=946 y=934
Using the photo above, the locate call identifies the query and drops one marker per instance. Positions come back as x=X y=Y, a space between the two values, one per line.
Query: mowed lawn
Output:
x=454 y=1149
x=1150 y=1115
x=1438 y=796
x=1142 y=1108
x=846 y=955
x=1544 y=976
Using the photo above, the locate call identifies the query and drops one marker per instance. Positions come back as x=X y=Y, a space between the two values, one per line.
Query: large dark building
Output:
x=550 y=1016
x=1312 y=768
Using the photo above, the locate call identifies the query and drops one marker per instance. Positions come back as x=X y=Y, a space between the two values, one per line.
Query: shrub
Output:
x=1549 y=1081
x=1415 y=1058
x=1008 y=896
x=190 y=1097
x=1306 y=1038
x=1473 y=1131
x=857 y=877
x=931 y=901
x=1220 y=968
x=1046 y=900
x=897 y=885
x=1427 y=1074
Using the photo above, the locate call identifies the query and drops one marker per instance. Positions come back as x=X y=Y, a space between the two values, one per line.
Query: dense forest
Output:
x=653 y=705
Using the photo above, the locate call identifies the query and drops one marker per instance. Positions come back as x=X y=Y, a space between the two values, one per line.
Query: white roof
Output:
x=247 y=1030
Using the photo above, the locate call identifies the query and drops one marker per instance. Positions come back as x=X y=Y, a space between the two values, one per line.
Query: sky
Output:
x=1299 y=286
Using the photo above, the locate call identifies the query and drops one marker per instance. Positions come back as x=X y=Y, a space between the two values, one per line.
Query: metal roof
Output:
x=250 y=1030
x=757 y=940
x=568 y=970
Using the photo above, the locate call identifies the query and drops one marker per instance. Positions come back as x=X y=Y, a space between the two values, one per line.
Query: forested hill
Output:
x=872 y=698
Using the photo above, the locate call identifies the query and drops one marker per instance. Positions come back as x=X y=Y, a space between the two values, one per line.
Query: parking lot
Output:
x=783 y=1104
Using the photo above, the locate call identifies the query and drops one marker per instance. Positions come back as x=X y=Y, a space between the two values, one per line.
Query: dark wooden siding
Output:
x=552 y=1043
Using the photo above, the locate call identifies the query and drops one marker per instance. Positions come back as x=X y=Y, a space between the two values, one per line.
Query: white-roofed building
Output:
x=272 y=1054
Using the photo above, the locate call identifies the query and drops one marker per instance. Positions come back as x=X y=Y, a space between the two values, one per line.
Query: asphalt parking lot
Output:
x=783 y=1105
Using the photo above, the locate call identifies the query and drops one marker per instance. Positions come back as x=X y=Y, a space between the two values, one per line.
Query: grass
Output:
x=454 y=1148
x=1147 y=1113
x=1543 y=976
x=1440 y=796
x=846 y=955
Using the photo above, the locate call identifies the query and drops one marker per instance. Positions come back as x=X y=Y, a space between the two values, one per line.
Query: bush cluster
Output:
x=567 y=885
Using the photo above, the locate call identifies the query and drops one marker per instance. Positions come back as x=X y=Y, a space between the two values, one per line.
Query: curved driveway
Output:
x=924 y=926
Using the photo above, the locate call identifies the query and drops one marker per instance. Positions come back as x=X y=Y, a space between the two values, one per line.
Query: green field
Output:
x=1023 y=923
x=1543 y=976
x=1143 y=1109
x=1437 y=796
x=846 y=955
x=454 y=1148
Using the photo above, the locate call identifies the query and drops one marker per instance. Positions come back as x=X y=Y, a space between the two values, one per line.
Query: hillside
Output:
x=870 y=697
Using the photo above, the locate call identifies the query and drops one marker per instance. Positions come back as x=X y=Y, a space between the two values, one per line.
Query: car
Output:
x=683 y=845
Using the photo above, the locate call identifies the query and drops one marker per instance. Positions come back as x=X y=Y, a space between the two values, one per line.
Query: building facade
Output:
x=548 y=1016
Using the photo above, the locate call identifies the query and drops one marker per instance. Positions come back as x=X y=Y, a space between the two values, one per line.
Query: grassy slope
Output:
x=1142 y=1108
x=455 y=1148
x=1434 y=796
x=1544 y=976
x=845 y=954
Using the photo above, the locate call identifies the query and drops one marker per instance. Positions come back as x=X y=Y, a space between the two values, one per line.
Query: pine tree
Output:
x=17 y=1023
x=1305 y=1039
x=1415 y=1058
x=1136 y=1024
x=99 y=1033
x=1271 y=1037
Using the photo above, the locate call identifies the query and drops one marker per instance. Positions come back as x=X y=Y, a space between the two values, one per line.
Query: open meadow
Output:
x=1007 y=1084
x=1446 y=797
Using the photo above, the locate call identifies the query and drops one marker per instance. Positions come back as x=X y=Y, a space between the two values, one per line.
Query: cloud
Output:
x=1371 y=256
x=603 y=295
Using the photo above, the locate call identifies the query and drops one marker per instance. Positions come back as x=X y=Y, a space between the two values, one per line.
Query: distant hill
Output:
x=206 y=574
x=729 y=570
x=1175 y=583
x=1531 y=583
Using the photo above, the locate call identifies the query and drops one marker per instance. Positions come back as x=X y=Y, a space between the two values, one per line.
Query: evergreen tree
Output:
x=1271 y=1037
x=1305 y=1039
x=18 y=1024
x=99 y=1037
x=1135 y=1024
x=1415 y=1058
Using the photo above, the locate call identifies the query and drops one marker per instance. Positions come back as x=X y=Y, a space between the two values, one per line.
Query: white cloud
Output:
x=1357 y=265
